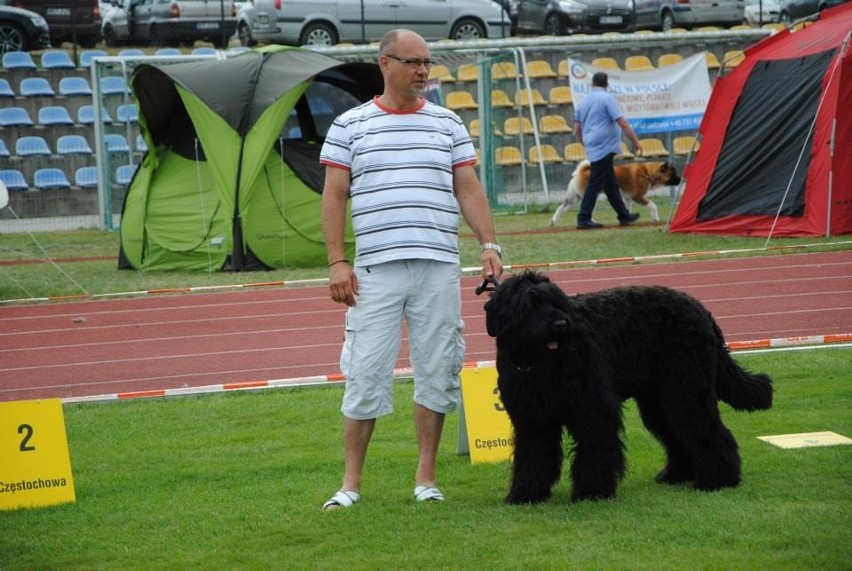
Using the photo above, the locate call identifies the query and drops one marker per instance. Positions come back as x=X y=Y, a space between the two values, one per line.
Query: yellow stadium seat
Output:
x=733 y=58
x=460 y=100
x=560 y=95
x=500 y=98
x=544 y=153
x=514 y=126
x=524 y=96
x=468 y=72
x=678 y=30
x=653 y=147
x=574 y=152
x=638 y=63
x=507 y=156
x=442 y=73
x=539 y=68
x=625 y=152
x=712 y=61
x=683 y=145
x=669 y=59
x=708 y=29
x=504 y=70
x=562 y=67
x=473 y=128
x=550 y=124
x=605 y=62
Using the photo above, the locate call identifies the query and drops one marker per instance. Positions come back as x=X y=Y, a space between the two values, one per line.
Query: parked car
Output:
x=309 y=22
x=557 y=17
x=560 y=17
x=795 y=9
x=21 y=30
x=169 y=22
x=759 y=12
x=667 y=14
x=68 y=20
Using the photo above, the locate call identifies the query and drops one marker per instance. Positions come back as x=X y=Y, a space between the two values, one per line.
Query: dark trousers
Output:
x=603 y=178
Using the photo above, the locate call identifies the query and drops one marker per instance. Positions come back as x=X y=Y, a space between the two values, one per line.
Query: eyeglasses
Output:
x=412 y=63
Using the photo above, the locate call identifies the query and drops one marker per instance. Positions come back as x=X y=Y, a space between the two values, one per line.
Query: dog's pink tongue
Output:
x=553 y=345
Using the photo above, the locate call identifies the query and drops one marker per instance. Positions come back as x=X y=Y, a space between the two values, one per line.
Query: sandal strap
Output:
x=343 y=499
x=427 y=494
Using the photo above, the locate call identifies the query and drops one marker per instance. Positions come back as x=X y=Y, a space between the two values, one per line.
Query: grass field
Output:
x=235 y=481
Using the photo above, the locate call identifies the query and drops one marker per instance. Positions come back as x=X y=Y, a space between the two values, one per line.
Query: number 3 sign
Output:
x=35 y=469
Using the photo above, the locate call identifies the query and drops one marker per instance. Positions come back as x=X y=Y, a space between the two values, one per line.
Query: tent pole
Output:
x=830 y=177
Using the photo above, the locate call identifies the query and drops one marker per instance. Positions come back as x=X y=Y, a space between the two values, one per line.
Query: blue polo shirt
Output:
x=596 y=114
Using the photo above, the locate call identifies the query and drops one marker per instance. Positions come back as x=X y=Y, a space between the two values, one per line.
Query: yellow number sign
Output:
x=35 y=469
x=484 y=423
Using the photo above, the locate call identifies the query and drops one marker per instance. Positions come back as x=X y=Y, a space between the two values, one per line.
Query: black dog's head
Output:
x=528 y=314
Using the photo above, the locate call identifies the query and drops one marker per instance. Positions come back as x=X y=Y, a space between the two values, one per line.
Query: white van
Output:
x=328 y=22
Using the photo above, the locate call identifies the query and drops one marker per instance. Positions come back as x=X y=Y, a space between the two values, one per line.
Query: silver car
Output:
x=667 y=14
x=328 y=22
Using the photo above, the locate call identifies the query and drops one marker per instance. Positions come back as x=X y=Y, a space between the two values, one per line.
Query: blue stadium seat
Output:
x=4 y=150
x=124 y=174
x=6 y=89
x=86 y=115
x=116 y=143
x=168 y=52
x=18 y=60
x=87 y=55
x=50 y=178
x=204 y=51
x=127 y=113
x=73 y=85
x=31 y=145
x=35 y=87
x=141 y=145
x=113 y=85
x=56 y=59
x=131 y=52
x=86 y=177
x=54 y=115
x=14 y=116
x=14 y=179
x=73 y=145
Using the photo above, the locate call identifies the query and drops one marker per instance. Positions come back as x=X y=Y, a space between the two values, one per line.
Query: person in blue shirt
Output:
x=598 y=125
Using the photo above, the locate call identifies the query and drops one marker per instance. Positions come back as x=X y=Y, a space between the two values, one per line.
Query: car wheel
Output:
x=12 y=39
x=244 y=34
x=110 y=39
x=468 y=30
x=318 y=34
x=667 y=21
x=553 y=25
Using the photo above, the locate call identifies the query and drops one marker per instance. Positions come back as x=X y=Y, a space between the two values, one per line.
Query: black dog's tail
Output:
x=741 y=389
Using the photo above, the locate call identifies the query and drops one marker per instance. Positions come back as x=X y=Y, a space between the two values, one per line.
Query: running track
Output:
x=167 y=342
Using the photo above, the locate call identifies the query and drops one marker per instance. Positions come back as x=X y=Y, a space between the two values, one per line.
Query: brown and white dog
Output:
x=634 y=179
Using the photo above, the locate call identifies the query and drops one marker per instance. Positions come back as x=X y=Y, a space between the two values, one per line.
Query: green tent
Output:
x=232 y=179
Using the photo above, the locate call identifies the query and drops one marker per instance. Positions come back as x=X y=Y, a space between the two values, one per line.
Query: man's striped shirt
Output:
x=401 y=179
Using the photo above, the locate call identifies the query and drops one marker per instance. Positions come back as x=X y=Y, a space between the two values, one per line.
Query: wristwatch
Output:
x=493 y=246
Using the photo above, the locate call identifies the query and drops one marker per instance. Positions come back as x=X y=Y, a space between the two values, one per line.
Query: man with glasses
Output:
x=408 y=167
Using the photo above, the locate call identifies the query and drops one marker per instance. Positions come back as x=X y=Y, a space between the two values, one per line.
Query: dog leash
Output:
x=490 y=283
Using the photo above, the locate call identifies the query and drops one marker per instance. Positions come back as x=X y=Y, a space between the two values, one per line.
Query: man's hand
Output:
x=342 y=283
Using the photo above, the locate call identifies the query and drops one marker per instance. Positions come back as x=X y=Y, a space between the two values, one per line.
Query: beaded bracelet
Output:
x=338 y=261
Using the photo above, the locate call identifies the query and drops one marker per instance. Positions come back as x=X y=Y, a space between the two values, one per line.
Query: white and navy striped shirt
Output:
x=401 y=179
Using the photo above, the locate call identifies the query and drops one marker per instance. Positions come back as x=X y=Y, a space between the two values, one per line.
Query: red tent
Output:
x=776 y=139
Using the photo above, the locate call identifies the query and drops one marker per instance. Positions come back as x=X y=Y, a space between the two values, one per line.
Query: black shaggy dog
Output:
x=569 y=363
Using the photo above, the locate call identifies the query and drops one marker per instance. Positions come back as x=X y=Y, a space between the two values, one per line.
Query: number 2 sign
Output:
x=35 y=469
